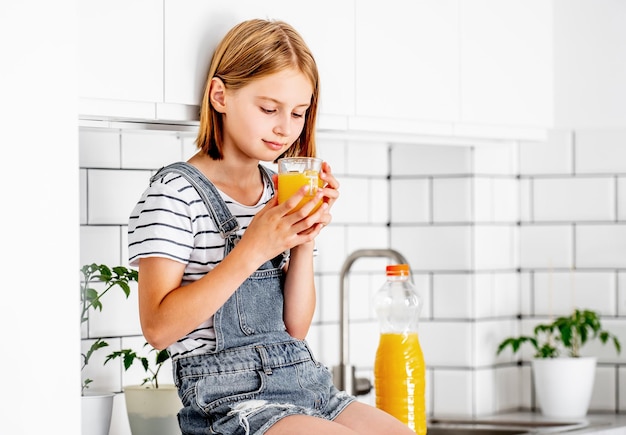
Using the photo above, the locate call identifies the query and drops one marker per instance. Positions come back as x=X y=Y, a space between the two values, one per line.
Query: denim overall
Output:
x=257 y=373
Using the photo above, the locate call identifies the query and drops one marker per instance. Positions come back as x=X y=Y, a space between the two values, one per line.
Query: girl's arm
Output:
x=299 y=291
x=168 y=311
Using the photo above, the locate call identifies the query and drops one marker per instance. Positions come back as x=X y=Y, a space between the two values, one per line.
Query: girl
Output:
x=225 y=272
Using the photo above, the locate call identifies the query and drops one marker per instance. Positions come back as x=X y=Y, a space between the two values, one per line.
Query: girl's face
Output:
x=264 y=118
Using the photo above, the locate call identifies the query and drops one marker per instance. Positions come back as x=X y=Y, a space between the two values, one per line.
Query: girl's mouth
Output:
x=275 y=146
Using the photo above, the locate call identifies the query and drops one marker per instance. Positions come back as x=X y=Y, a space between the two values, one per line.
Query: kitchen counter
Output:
x=528 y=423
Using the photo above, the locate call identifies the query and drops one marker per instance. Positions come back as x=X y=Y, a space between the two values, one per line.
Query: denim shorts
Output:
x=248 y=389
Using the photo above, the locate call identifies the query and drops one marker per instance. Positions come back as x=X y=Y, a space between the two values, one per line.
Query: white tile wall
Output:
x=621 y=375
x=491 y=233
x=335 y=153
x=558 y=293
x=416 y=160
x=457 y=336
x=621 y=198
x=453 y=395
x=150 y=149
x=604 y=394
x=601 y=245
x=369 y=159
x=488 y=334
x=99 y=149
x=101 y=244
x=546 y=246
x=554 y=156
x=112 y=194
x=106 y=377
x=577 y=199
x=525 y=198
x=606 y=352
x=621 y=293
x=331 y=248
x=497 y=294
x=118 y=316
x=494 y=247
x=496 y=199
x=600 y=151
x=359 y=204
x=136 y=373
x=453 y=296
x=508 y=389
x=434 y=247
x=451 y=198
x=496 y=159
x=410 y=200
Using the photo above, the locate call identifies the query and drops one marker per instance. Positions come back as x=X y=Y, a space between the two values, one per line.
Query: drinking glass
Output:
x=295 y=172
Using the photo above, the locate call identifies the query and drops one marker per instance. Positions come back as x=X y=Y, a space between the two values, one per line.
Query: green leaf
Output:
x=162 y=356
x=564 y=334
x=129 y=357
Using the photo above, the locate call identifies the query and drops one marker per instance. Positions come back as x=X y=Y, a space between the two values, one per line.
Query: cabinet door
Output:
x=194 y=27
x=120 y=51
x=506 y=62
x=407 y=59
x=590 y=67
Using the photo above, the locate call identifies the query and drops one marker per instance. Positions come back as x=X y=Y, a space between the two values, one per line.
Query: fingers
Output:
x=327 y=177
x=331 y=185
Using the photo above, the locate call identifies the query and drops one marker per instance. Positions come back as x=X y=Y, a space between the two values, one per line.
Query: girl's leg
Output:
x=357 y=419
x=307 y=425
x=368 y=420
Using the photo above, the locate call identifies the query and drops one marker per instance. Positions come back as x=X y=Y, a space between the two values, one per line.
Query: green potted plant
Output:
x=151 y=407
x=97 y=407
x=557 y=361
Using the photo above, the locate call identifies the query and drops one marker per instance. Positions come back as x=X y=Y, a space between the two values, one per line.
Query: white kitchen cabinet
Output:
x=590 y=67
x=194 y=27
x=471 y=67
x=120 y=50
x=407 y=60
x=506 y=75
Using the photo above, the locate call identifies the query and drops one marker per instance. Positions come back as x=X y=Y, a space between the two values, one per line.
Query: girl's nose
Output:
x=283 y=125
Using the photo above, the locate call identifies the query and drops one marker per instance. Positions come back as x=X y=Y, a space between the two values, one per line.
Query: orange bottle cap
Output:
x=397 y=269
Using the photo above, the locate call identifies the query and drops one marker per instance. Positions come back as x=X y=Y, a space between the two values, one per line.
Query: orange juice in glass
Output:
x=295 y=172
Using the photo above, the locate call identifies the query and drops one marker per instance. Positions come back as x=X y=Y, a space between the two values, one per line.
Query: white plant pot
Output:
x=564 y=385
x=153 y=411
x=96 y=413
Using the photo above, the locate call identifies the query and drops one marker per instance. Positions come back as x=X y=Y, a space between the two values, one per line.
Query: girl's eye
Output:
x=264 y=110
x=297 y=115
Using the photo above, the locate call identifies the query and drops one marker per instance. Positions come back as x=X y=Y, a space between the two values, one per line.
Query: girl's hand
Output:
x=331 y=185
x=279 y=227
x=329 y=193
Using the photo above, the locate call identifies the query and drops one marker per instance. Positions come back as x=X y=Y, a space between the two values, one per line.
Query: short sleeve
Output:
x=160 y=225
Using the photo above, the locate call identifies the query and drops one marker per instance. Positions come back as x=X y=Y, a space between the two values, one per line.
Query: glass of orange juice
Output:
x=295 y=172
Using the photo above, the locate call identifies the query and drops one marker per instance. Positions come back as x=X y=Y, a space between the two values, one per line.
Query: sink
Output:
x=438 y=426
x=460 y=430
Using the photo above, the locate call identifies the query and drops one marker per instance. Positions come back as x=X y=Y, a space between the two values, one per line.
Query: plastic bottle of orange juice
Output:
x=399 y=369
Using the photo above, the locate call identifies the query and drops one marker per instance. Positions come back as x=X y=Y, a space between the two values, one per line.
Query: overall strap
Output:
x=226 y=223
x=267 y=176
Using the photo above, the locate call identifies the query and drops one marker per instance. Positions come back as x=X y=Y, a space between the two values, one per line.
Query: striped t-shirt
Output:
x=171 y=220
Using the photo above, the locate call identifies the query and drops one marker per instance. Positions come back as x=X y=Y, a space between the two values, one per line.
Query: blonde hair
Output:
x=251 y=50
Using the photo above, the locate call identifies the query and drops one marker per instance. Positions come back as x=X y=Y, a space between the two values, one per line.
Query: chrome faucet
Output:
x=343 y=374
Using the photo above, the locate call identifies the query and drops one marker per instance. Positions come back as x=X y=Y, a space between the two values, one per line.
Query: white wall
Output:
x=484 y=229
x=38 y=223
x=589 y=64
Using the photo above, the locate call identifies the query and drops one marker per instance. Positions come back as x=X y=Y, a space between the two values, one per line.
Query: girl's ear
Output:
x=216 y=94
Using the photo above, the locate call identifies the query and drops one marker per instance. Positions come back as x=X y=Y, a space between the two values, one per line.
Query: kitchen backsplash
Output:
x=499 y=237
